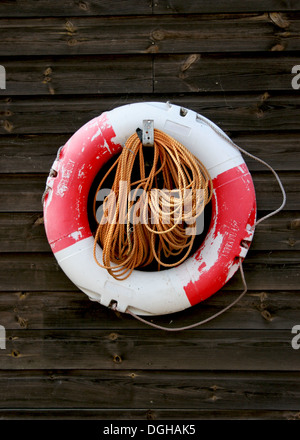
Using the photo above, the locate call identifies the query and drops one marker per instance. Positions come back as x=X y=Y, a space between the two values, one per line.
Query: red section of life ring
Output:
x=66 y=219
x=230 y=200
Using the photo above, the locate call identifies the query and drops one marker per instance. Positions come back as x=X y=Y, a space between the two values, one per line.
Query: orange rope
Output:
x=128 y=246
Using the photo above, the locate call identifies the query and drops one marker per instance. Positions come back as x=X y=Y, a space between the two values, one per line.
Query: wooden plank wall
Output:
x=66 y=62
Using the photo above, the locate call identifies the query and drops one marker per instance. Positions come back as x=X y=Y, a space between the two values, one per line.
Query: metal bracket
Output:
x=148 y=133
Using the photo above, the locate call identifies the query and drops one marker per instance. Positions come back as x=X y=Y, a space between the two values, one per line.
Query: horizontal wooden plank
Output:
x=25 y=232
x=133 y=74
x=149 y=34
x=280 y=232
x=151 y=392
x=23 y=193
x=232 y=112
x=78 y=75
x=40 y=272
x=30 y=8
x=215 y=73
x=278 y=149
x=268 y=195
x=36 y=153
x=232 y=350
x=73 y=310
x=203 y=6
x=30 y=153
x=146 y=414
x=44 y=8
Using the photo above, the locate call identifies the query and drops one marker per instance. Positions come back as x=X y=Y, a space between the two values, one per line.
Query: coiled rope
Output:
x=132 y=234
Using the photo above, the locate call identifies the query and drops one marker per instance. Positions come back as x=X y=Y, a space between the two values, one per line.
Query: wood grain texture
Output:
x=148 y=34
x=200 y=350
x=148 y=390
x=118 y=74
x=222 y=73
x=55 y=8
x=30 y=8
x=258 y=310
x=78 y=75
x=251 y=113
x=203 y=6
x=146 y=414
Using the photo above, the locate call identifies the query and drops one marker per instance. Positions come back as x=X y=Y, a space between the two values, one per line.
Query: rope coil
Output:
x=159 y=224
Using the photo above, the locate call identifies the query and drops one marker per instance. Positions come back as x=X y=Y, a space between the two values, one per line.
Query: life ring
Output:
x=149 y=293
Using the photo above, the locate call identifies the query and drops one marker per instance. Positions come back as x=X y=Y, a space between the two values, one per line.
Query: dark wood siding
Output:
x=66 y=62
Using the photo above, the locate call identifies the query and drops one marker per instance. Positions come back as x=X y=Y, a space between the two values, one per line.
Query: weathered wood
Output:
x=148 y=34
x=40 y=272
x=232 y=112
x=220 y=73
x=78 y=75
x=25 y=232
x=30 y=153
x=268 y=194
x=150 y=391
x=23 y=193
x=199 y=350
x=132 y=74
x=278 y=149
x=36 y=153
x=203 y=6
x=280 y=232
x=55 y=8
x=146 y=414
x=30 y=8
x=73 y=310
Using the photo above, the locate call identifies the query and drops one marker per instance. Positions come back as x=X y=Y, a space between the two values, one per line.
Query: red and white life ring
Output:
x=203 y=273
